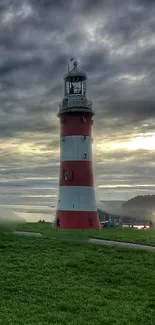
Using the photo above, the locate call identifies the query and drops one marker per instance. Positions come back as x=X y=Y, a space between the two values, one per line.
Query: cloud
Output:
x=115 y=46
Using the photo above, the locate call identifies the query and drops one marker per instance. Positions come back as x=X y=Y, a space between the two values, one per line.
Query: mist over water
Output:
x=9 y=220
x=12 y=215
x=46 y=210
x=20 y=213
x=17 y=213
x=26 y=213
x=113 y=207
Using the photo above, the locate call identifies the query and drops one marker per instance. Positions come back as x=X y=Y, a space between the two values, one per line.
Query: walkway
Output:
x=120 y=244
x=28 y=233
x=92 y=241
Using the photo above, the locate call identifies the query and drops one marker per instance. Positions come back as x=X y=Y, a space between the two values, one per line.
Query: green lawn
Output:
x=46 y=281
x=146 y=237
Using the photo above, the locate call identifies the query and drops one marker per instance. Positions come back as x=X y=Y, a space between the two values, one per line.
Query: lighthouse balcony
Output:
x=75 y=105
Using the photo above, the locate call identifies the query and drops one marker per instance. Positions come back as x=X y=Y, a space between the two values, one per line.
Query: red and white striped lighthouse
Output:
x=76 y=201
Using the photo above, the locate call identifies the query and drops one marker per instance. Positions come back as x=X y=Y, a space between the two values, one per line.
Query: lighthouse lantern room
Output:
x=76 y=206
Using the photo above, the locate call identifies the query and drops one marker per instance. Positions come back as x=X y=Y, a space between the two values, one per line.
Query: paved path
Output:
x=120 y=244
x=28 y=233
x=91 y=241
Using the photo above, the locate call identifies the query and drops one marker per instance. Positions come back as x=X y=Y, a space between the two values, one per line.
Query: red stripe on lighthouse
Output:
x=81 y=173
x=78 y=220
x=76 y=124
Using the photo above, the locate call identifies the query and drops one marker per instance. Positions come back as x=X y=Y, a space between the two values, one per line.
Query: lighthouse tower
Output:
x=76 y=206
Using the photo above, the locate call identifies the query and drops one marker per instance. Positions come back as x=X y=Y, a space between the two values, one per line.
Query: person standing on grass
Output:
x=90 y=220
x=58 y=222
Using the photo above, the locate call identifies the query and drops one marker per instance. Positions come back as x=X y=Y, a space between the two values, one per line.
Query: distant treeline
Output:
x=145 y=201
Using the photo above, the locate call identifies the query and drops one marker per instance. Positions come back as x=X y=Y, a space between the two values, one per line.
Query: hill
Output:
x=143 y=201
x=140 y=206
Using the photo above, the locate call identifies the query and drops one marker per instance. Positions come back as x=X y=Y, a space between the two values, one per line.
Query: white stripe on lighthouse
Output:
x=77 y=198
x=75 y=148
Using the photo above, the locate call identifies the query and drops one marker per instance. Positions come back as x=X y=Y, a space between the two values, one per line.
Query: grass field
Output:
x=146 y=237
x=46 y=281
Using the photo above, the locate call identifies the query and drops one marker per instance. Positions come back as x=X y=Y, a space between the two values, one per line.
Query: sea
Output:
x=28 y=213
x=33 y=213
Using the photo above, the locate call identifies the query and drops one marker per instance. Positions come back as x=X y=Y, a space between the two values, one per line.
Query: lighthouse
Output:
x=76 y=207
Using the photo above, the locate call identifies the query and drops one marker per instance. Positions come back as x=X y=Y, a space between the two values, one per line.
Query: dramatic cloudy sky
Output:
x=114 y=42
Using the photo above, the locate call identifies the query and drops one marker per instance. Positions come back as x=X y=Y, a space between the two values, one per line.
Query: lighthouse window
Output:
x=65 y=175
x=67 y=85
x=75 y=85
x=68 y=175
x=75 y=88
x=72 y=89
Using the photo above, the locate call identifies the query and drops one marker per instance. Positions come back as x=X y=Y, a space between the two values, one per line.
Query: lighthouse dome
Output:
x=75 y=92
x=75 y=72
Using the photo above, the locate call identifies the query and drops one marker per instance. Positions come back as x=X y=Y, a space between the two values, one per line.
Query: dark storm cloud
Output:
x=131 y=25
x=45 y=5
x=131 y=112
x=114 y=45
x=10 y=65
x=145 y=2
x=25 y=125
x=96 y=59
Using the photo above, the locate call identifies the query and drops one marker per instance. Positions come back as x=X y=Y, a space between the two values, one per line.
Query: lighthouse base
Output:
x=78 y=219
